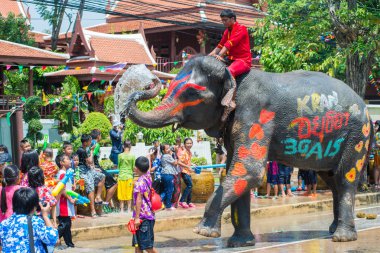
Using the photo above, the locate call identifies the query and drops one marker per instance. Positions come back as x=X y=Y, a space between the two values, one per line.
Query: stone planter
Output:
x=203 y=186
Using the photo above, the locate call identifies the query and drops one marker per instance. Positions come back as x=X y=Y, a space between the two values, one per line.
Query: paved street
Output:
x=292 y=233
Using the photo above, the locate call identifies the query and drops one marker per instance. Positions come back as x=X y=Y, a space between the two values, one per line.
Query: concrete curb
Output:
x=115 y=230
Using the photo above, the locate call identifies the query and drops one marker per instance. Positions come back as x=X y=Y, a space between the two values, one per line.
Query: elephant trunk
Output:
x=153 y=118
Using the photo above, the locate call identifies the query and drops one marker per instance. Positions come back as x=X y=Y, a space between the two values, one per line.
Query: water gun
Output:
x=61 y=184
x=46 y=137
x=132 y=228
x=79 y=198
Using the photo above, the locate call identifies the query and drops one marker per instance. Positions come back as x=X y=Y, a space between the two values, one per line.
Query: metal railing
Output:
x=201 y=167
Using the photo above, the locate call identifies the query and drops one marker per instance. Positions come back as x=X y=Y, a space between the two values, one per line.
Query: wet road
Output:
x=300 y=233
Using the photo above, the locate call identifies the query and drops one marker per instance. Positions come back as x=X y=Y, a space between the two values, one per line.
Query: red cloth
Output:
x=237 y=43
x=238 y=67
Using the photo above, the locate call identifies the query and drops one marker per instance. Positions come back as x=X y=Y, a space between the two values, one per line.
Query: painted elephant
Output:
x=302 y=119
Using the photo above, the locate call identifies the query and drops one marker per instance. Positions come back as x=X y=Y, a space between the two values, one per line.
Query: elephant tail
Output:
x=371 y=136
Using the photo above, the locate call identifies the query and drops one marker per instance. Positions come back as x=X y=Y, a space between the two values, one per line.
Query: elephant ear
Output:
x=228 y=81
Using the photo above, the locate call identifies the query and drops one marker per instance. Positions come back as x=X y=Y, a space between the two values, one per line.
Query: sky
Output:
x=38 y=24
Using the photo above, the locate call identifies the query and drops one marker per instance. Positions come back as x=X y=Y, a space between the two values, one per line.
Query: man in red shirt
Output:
x=236 y=48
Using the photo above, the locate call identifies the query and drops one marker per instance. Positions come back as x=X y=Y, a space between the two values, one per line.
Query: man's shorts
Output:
x=310 y=177
x=272 y=179
x=145 y=235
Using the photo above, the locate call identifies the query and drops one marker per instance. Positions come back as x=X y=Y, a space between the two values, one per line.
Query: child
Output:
x=125 y=181
x=49 y=167
x=29 y=159
x=311 y=183
x=143 y=214
x=110 y=183
x=14 y=230
x=91 y=177
x=5 y=157
x=25 y=145
x=272 y=178
x=37 y=182
x=284 y=177
x=65 y=206
x=9 y=186
x=168 y=171
x=67 y=150
x=155 y=168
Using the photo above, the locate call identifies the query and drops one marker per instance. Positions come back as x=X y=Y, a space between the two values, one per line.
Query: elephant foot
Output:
x=208 y=231
x=236 y=241
x=344 y=235
x=333 y=227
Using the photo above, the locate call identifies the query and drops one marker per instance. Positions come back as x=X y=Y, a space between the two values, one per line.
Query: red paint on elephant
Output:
x=258 y=152
x=266 y=116
x=182 y=106
x=256 y=131
x=240 y=186
x=189 y=85
x=243 y=152
x=239 y=170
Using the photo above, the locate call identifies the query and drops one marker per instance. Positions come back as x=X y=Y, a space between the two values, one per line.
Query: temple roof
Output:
x=8 y=6
x=14 y=53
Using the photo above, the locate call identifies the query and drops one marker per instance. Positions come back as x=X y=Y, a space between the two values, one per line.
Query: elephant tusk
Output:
x=175 y=127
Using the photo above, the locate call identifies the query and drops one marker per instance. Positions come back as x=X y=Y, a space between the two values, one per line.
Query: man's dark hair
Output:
x=228 y=13
x=142 y=164
x=36 y=177
x=25 y=200
x=85 y=137
x=95 y=133
x=60 y=159
x=66 y=144
x=23 y=141
x=74 y=155
x=28 y=160
x=127 y=144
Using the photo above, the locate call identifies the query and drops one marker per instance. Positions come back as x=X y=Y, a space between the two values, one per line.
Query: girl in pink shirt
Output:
x=9 y=186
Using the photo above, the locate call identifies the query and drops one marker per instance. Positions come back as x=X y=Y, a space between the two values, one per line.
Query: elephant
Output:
x=302 y=119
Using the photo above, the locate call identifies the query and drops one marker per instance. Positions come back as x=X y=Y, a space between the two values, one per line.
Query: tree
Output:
x=54 y=15
x=340 y=38
x=15 y=29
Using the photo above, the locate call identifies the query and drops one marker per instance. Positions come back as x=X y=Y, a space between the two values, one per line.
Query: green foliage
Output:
x=199 y=160
x=96 y=120
x=56 y=144
x=175 y=70
x=32 y=108
x=109 y=105
x=289 y=38
x=15 y=29
x=165 y=134
x=64 y=110
x=105 y=142
x=17 y=83
x=34 y=134
x=106 y=164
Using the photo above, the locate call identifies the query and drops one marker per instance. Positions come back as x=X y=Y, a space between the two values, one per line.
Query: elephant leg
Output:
x=241 y=220
x=328 y=177
x=246 y=171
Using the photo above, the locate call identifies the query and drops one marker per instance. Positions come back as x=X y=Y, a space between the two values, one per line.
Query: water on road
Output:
x=290 y=233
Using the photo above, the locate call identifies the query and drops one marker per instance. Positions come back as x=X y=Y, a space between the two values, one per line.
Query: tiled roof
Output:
x=79 y=72
x=130 y=48
x=127 y=26
x=8 y=6
x=38 y=36
x=13 y=52
x=184 y=11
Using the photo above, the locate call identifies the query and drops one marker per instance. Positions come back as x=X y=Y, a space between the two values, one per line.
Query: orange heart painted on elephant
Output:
x=266 y=116
x=240 y=186
x=360 y=163
x=366 y=129
x=256 y=131
x=366 y=145
x=351 y=175
x=359 y=146
x=239 y=170
x=258 y=152
x=243 y=152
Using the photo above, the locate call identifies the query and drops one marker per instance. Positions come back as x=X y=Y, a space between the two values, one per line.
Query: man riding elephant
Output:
x=235 y=45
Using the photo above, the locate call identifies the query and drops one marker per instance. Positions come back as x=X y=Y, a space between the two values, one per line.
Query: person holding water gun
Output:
x=65 y=205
